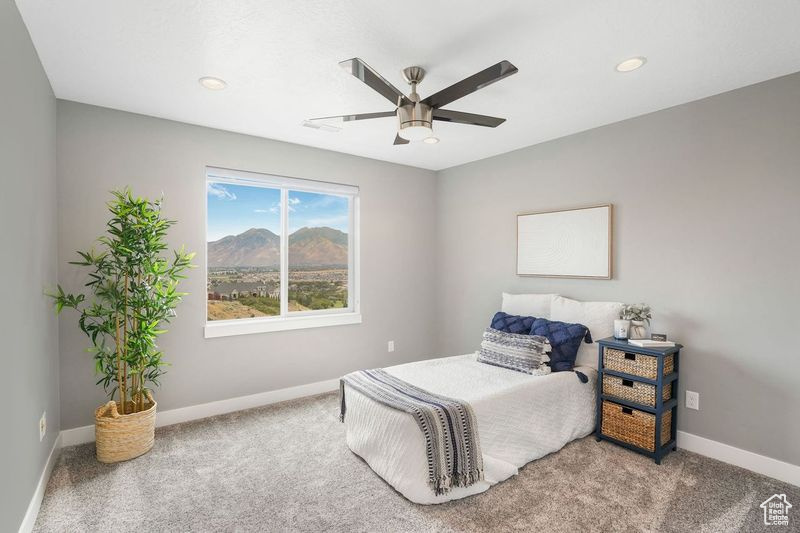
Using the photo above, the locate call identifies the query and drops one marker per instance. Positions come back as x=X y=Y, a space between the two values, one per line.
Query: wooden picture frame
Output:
x=566 y=243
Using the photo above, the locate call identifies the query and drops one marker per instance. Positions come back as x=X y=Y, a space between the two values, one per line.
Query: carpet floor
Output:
x=286 y=467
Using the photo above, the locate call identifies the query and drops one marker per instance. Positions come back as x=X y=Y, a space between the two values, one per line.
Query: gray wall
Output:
x=101 y=149
x=28 y=267
x=707 y=231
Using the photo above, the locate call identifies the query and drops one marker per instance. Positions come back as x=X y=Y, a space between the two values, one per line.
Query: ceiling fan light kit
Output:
x=415 y=116
x=416 y=122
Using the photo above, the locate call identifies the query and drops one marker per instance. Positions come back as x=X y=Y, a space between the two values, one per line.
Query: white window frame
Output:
x=296 y=319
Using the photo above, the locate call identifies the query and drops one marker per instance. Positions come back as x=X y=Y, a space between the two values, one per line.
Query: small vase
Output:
x=621 y=329
x=638 y=329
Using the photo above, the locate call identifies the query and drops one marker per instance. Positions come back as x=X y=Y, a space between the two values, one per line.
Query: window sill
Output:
x=226 y=328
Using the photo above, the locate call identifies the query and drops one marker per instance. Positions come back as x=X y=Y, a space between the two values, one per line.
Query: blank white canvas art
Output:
x=570 y=243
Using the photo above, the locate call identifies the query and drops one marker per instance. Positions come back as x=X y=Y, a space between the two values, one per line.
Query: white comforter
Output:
x=520 y=418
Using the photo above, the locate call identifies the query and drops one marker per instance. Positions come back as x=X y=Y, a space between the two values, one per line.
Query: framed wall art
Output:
x=568 y=243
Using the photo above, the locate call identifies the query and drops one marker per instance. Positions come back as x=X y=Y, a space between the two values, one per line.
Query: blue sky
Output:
x=233 y=209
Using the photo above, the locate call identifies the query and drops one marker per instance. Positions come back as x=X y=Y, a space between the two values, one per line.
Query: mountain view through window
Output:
x=244 y=251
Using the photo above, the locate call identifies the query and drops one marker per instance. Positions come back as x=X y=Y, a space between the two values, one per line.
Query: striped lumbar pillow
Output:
x=523 y=353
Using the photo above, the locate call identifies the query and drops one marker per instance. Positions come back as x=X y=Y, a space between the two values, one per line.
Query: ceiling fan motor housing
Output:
x=416 y=121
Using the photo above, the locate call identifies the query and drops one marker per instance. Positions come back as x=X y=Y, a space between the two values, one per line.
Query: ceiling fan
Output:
x=416 y=115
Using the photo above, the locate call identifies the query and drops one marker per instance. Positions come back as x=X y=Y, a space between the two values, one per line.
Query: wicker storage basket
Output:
x=636 y=364
x=634 y=391
x=122 y=437
x=634 y=426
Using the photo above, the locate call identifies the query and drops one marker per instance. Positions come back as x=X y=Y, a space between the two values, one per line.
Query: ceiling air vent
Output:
x=321 y=126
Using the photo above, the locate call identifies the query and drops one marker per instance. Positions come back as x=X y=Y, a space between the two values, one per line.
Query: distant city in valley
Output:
x=244 y=272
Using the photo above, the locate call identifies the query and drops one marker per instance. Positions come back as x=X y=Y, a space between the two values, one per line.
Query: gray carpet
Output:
x=286 y=467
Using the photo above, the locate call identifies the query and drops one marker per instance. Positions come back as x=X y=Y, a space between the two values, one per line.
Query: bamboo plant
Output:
x=135 y=292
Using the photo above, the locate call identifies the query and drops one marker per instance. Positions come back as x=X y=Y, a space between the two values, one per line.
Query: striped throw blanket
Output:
x=449 y=426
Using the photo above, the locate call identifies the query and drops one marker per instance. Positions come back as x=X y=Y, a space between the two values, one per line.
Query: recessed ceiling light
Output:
x=431 y=140
x=631 y=64
x=212 y=84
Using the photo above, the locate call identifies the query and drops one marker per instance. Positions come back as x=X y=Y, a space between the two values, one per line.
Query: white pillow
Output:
x=537 y=305
x=597 y=316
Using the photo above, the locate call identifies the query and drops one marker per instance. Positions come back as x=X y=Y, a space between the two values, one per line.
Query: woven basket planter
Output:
x=122 y=437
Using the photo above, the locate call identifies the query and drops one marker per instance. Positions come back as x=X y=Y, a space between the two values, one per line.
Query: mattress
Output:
x=520 y=418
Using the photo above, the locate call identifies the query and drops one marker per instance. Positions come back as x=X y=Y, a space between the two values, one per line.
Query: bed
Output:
x=520 y=418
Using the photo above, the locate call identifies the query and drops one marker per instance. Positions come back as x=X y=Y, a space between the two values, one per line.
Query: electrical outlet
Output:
x=42 y=426
x=390 y=346
x=692 y=400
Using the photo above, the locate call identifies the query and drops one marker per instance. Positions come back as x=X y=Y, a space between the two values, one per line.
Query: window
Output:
x=282 y=253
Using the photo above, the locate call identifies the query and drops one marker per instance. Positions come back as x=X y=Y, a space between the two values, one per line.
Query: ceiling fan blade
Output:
x=460 y=117
x=400 y=140
x=365 y=73
x=469 y=85
x=350 y=118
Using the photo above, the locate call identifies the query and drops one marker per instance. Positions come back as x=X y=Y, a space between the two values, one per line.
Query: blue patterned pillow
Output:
x=521 y=325
x=565 y=340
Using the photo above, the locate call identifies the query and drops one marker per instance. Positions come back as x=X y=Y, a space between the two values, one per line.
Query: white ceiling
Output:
x=280 y=60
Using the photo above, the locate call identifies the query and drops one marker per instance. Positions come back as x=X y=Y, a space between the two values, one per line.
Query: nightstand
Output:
x=637 y=397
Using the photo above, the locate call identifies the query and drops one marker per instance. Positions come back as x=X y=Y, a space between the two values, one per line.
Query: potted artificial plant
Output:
x=134 y=293
x=639 y=315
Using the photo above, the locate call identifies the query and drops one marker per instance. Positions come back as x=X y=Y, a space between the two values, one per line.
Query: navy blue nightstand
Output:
x=637 y=397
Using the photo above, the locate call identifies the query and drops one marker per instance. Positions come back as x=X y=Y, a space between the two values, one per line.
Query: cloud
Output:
x=328 y=200
x=219 y=191
x=277 y=206
x=263 y=211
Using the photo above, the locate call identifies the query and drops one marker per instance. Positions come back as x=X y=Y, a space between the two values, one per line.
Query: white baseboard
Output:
x=33 y=507
x=81 y=435
x=736 y=456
